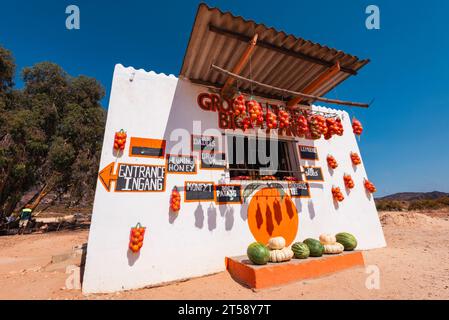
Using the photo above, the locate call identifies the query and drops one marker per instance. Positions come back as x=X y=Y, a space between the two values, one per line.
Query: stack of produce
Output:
x=348 y=241
x=258 y=253
x=355 y=158
x=318 y=127
x=301 y=250
x=370 y=186
x=331 y=162
x=255 y=112
x=330 y=244
x=339 y=127
x=337 y=194
x=242 y=178
x=120 y=140
x=136 y=238
x=268 y=178
x=246 y=123
x=349 y=183
x=303 y=125
x=293 y=179
x=332 y=128
x=278 y=251
x=284 y=119
x=315 y=247
x=271 y=120
x=357 y=127
x=175 y=200
x=239 y=106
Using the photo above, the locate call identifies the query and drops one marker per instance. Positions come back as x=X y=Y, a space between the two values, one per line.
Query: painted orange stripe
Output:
x=271 y=275
x=147 y=143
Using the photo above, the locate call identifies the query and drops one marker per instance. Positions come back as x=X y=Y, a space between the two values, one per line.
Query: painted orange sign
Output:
x=269 y=216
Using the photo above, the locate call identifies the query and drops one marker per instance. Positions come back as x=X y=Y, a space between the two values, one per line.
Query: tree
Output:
x=7 y=69
x=50 y=133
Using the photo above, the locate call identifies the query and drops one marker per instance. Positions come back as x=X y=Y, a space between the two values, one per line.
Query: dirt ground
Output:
x=415 y=265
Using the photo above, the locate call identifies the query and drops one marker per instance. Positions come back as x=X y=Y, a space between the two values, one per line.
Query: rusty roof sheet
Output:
x=279 y=59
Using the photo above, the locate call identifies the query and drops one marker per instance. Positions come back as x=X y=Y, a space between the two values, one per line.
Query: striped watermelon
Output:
x=315 y=247
x=258 y=253
x=301 y=250
x=347 y=240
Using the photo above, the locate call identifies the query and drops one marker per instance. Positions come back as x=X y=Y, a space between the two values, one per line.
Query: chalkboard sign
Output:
x=204 y=143
x=147 y=148
x=196 y=191
x=181 y=164
x=140 y=178
x=213 y=161
x=299 y=190
x=313 y=174
x=228 y=193
x=308 y=153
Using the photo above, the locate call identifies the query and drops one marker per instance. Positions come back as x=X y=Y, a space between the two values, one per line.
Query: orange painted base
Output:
x=275 y=274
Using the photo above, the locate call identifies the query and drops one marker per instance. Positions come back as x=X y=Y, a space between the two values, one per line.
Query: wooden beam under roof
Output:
x=315 y=84
x=227 y=91
x=267 y=45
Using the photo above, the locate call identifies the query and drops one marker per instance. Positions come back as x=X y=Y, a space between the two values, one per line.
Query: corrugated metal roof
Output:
x=279 y=59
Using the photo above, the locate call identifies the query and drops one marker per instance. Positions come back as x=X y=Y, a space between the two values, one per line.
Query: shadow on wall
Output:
x=298 y=205
x=199 y=216
x=229 y=218
x=244 y=211
x=132 y=257
x=368 y=194
x=172 y=216
x=211 y=217
x=311 y=207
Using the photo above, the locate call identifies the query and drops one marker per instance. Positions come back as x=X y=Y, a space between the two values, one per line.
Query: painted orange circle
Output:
x=269 y=216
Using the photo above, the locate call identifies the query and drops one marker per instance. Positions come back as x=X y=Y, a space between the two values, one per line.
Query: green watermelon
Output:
x=315 y=247
x=301 y=250
x=258 y=253
x=347 y=240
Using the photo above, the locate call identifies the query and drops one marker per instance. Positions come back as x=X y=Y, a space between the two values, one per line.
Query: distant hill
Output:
x=410 y=196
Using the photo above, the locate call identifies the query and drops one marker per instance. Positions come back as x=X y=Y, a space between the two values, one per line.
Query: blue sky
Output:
x=405 y=145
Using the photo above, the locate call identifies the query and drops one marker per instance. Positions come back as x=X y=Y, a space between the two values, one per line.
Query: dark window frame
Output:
x=289 y=165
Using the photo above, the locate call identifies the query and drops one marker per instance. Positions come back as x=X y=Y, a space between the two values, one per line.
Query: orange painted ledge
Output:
x=276 y=274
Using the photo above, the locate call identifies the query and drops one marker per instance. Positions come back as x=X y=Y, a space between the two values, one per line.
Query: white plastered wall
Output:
x=196 y=242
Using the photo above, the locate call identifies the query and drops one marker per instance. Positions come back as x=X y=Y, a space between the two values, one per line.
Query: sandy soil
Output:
x=415 y=265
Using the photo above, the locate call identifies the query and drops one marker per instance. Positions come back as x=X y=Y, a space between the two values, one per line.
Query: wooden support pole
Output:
x=315 y=84
x=226 y=90
x=289 y=92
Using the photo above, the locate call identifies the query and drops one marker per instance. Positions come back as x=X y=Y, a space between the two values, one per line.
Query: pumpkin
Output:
x=301 y=250
x=327 y=239
x=283 y=255
x=335 y=248
x=258 y=253
x=270 y=216
x=277 y=243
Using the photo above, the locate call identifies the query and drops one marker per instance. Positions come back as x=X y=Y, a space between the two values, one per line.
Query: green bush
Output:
x=389 y=205
x=419 y=205
x=51 y=132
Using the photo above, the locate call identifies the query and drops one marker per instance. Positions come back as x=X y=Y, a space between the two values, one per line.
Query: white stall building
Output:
x=182 y=134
